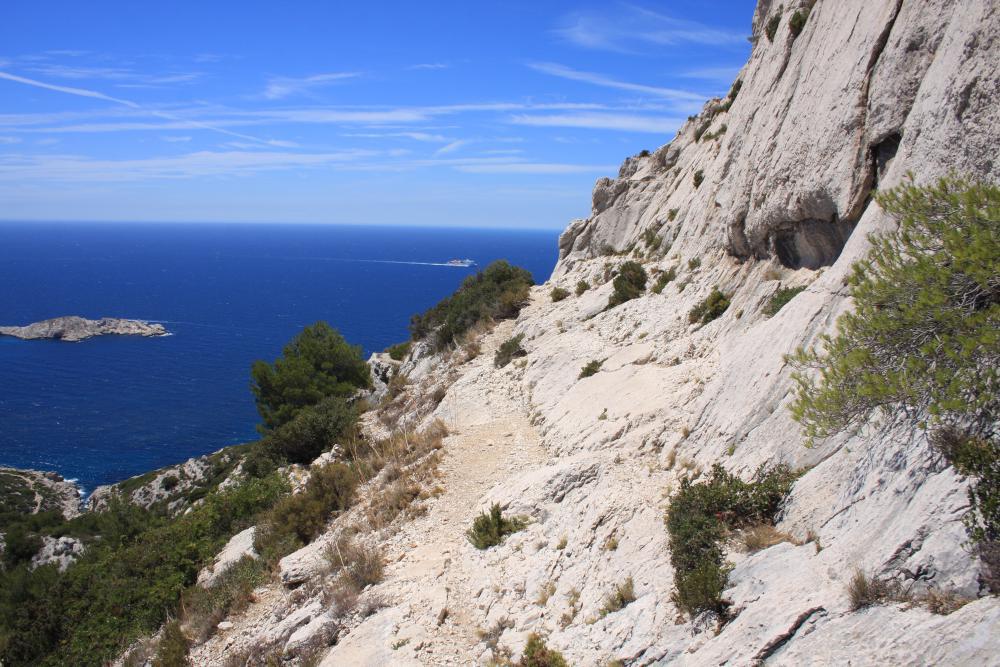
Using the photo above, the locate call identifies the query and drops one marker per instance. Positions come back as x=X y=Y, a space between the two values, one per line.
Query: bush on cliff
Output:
x=497 y=293
x=317 y=363
x=312 y=431
x=629 y=283
x=489 y=528
x=923 y=341
x=297 y=519
x=712 y=308
x=399 y=351
x=509 y=350
x=698 y=519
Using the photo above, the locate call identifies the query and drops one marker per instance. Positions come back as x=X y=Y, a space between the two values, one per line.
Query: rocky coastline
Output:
x=73 y=329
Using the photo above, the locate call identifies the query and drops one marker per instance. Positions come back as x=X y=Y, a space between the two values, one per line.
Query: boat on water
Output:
x=460 y=262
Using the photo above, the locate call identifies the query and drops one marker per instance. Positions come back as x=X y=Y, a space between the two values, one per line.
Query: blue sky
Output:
x=433 y=113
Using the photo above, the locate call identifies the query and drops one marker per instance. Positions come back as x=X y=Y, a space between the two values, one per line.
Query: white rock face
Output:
x=60 y=551
x=239 y=546
x=869 y=90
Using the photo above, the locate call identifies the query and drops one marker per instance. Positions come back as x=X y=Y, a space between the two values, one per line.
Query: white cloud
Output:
x=537 y=168
x=176 y=139
x=415 y=136
x=602 y=121
x=452 y=147
x=627 y=28
x=281 y=87
x=82 y=92
x=10 y=140
x=73 y=168
x=564 y=72
x=715 y=74
x=429 y=66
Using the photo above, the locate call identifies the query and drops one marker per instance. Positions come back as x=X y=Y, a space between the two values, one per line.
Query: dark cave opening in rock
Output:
x=811 y=244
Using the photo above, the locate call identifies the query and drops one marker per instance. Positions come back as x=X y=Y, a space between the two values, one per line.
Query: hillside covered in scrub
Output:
x=750 y=419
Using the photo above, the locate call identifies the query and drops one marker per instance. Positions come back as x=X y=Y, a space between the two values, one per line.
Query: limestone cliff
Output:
x=770 y=187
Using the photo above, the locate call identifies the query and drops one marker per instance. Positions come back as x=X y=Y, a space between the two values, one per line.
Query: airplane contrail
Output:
x=93 y=94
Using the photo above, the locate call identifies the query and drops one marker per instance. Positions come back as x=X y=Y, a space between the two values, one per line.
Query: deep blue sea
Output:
x=111 y=407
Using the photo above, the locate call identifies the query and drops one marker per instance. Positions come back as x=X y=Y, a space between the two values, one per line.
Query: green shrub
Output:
x=312 y=431
x=581 y=287
x=714 y=305
x=698 y=519
x=618 y=599
x=923 y=342
x=173 y=647
x=664 y=279
x=169 y=483
x=694 y=263
x=644 y=153
x=317 y=363
x=297 y=519
x=924 y=336
x=699 y=178
x=772 y=25
x=558 y=294
x=590 y=368
x=629 y=283
x=798 y=22
x=231 y=593
x=399 y=351
x=780 y=298
x=537 y=654
x=497 y=293
x=509 y=350
x=489 y=528
x=672 y=214
x=651 y=238
x=733 y=93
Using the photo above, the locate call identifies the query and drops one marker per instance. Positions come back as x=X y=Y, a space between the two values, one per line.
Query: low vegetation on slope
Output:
x=699 y=518
x=629 y=283
x=923 y=343
x=139 y=562
x=497 y=293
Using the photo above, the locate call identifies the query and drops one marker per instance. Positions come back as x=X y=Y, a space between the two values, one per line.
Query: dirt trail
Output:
x=430 y=572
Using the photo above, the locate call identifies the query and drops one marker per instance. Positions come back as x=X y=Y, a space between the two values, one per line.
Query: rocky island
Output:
x=73 y=329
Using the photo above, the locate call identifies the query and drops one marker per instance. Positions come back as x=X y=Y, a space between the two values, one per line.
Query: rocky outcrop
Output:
x=238 y=547
x=34 y=491
x=73 y=329
x=59 y=551
x=174 y=487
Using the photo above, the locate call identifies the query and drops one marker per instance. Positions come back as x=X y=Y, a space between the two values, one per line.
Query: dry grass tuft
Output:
x=760 y=537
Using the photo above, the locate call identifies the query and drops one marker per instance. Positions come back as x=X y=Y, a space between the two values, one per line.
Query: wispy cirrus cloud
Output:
x=10 y=140
x=244 y=161
x=537 y=168
x=630 y=27
x=429 y=66
x=280 y=87
x=415 y=136
x=74 y=168
x=452 y=147
x=564 y=72
x=622 y=122
x=93 y=94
